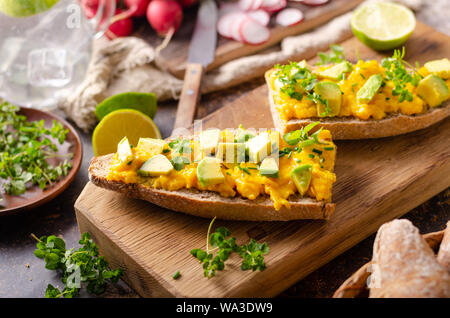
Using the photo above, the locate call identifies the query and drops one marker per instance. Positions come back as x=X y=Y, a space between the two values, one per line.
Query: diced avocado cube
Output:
x=209 y=172
x=335 y=72
x=433 y=90
x=151 y=145
x=302 y=177
x=269 y=168
x=440 y=68
x=231 y=152
x=156 y=166
x=243 y=135
x=330 y=92
x=369 y=89
x=124 y=153
x=259 y=147
x=304 y=64
x=209 y=140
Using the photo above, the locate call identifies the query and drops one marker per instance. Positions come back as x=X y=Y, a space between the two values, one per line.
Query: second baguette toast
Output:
x=354 y=128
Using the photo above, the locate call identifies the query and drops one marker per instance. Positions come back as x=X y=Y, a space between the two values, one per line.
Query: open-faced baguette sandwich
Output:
x=365 y=100
x=230 y=174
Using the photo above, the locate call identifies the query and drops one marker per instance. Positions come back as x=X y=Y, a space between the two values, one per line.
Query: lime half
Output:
x=383 y=25
x=122 y=123
x=25 y=8
x=143 y=102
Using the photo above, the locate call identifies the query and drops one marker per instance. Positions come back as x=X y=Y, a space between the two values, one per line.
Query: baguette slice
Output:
x=209 y=204
x=354 y=128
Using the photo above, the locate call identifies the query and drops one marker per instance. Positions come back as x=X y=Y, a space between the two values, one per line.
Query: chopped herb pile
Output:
x=298 y=81
x=301 y=138
x=24 y=150
x=252 y=254
x=397 y=73
x=78 y=267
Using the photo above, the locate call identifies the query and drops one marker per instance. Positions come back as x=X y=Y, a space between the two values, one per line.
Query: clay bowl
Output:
x=34 y=196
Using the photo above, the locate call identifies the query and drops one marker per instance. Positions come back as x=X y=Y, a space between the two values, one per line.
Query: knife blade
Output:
x=201 y=53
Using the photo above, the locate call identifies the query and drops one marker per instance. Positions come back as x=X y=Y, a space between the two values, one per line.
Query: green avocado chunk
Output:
x=155 y=166
x=209 y=140
x=231 y=152
x=243 y=135
x=269 y=168
x=369 y=89
x=151 y=145
x=440 y=68
x=330 y=92
x=302 y=177
x=335 y=72
x=433 y=90
x=124 y=153
x=209 y=172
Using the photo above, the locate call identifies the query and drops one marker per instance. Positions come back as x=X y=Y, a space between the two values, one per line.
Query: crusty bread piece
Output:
x=354 y=128
x=405 y=266
x=444 y=249
x=209 y=204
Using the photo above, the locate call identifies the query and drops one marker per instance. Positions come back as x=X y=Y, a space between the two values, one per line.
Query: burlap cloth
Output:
x=130 y=65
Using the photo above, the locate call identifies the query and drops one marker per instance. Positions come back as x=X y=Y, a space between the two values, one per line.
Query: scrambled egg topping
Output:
x=380 y=106
x=242 y=179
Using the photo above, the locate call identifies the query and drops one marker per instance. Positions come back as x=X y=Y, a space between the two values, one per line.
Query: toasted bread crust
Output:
x=354 y=128
x=209 y=204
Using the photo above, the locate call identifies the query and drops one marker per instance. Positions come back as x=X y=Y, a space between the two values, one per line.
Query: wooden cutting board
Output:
x=175 y=55
x=377 y=181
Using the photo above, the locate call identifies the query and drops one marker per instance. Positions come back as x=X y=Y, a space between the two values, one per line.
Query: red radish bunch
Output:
x=164 y=16
x=247 y=20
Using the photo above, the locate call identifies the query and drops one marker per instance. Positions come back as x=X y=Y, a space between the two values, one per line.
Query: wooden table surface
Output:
x=23 y=275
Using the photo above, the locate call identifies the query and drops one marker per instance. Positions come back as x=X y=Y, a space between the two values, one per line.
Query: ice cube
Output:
x=49 y=67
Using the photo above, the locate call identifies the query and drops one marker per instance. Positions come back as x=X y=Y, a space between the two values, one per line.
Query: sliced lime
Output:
x=25 y=8
x=143 y=102
x=383 y=25
x=122 y=123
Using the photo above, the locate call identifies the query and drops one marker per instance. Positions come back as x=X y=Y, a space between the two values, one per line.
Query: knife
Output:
x=201 y=53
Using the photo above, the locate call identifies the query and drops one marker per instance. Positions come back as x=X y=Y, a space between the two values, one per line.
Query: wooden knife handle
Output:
x=190 y=95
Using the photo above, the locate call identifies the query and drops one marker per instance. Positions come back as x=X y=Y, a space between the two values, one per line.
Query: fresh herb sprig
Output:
x=223 y=245
x=78 y=267
x=299 y=82
x=396 y=72
x=335 y=56
x=24 y=150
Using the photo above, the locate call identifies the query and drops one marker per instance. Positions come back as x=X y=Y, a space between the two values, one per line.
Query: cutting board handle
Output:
x=190 y=95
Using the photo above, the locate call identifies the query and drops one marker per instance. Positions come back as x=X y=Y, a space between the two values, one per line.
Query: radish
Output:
x=272 y=6
x=289 y=17
x=246 y=5
x=260 y=16
x=253 y=33
x=235 y=24
x=164 y=16
x=224 y=24
x=314 y=2
x=187 y=3
x=137 y=8
x=120 y=28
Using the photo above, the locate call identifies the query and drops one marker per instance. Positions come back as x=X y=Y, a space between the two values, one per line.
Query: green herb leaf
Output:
x=78 y=267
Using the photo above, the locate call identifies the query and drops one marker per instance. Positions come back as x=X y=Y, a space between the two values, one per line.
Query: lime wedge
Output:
x=143 y=102
x=122 y=123
x=383 y=25
x=25 y=8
